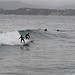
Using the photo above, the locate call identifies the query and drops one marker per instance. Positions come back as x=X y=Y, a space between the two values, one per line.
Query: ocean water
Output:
x=51 y=53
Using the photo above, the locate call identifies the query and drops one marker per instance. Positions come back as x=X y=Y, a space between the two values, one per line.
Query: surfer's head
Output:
x=57 y=29
x=45 y=30
x=28 y=33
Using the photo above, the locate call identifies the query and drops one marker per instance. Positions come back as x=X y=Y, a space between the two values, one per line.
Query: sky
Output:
x=52 y=3
x=49 y=3
x=46 y=1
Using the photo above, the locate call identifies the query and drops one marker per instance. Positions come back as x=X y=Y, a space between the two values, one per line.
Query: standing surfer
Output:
x=27 y=36
x=22 y=39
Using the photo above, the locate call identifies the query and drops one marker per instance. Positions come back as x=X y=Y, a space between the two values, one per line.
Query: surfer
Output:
x=22 y=39
x=57 y=29
x=27 y=36
x=45 y=30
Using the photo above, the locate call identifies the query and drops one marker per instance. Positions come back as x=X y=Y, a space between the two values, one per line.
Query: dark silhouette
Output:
x=22 y=39
x=45 y=30
x=57 y=29
x=27 y=36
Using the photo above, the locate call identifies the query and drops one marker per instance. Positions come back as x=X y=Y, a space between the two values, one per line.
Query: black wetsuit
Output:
x=22 y=39
x=27 y=36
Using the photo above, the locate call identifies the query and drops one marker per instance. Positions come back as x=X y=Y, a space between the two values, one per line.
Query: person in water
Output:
x=58 y=30
x=27 y=36
x=22 y=39
x=45 y=30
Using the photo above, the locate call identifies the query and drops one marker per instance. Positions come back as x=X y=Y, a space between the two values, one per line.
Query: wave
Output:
x=36 y=33
x=12 y=38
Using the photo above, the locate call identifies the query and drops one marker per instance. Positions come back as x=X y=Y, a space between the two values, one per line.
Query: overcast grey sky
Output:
x=50 y=3
x=46 y=1
x=53 y=3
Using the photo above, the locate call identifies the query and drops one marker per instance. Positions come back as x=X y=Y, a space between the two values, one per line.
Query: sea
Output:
x=52 y=52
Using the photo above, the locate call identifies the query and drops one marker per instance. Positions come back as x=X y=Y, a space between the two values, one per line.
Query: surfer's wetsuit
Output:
x=22 y=39
x=27 y=36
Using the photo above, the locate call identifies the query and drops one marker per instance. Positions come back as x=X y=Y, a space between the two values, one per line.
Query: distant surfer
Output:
x=27 y=36
x=22 y=39
x=45 y=30
x=57 y=29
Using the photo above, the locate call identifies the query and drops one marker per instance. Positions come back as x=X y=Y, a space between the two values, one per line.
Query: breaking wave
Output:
x=12 y=38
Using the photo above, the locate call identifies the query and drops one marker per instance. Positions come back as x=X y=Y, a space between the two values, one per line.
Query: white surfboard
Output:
x=27 y=42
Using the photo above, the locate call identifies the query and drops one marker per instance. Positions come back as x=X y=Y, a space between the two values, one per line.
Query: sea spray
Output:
x=10 y=38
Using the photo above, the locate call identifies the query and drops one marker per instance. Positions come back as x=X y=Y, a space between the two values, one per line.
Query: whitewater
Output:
x=51 y=53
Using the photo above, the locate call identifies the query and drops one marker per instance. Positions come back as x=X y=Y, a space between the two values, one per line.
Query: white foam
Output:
x=10 y=38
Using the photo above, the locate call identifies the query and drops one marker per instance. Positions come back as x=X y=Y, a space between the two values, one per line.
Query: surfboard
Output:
x=28 y=41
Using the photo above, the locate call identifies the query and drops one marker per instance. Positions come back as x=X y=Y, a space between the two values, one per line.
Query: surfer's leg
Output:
x=23 y=40
x=26 y=37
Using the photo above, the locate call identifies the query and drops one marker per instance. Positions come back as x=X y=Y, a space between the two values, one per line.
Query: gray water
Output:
x=53 y=54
